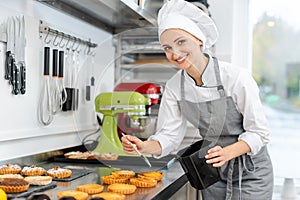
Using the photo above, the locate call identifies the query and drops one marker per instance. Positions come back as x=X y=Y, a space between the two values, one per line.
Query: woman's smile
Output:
x=181 y=59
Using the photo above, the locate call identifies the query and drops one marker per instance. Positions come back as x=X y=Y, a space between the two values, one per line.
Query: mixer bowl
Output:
x=148 y=125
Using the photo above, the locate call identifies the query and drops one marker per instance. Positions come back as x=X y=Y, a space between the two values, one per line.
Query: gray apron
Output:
x=245 y=177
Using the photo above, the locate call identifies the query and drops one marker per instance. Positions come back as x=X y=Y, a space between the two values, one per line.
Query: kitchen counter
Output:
x=173 y=179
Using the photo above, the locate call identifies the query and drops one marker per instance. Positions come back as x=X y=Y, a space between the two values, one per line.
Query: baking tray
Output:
x=76 y=173
x=122 y=160
x=32 y=189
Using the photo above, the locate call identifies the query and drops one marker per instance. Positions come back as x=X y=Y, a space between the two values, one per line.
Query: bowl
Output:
x=146 y=124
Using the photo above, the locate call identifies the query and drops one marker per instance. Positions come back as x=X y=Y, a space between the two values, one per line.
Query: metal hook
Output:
x=55 y=39
x=62 y=37
x=78 y=50
x=69 y=38
x=85 y=51
x=89 y=52
x=75 y=39
x=45 y=40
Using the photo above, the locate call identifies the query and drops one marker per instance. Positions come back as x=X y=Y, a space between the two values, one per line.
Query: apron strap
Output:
x=182 y=85
x=229 y=180
x=218 y=78
x=246 y=163
x=240 y=177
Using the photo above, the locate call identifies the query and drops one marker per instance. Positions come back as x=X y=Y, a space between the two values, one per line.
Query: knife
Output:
x=15 y=69
x=22 y=44
x=9 y=46
x=142 y=155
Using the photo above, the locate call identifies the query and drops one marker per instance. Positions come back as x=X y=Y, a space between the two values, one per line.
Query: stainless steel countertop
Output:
x=173 y=179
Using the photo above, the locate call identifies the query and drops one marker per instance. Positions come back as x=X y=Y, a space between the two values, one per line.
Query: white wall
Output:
x=232 y=20
x=21 y=133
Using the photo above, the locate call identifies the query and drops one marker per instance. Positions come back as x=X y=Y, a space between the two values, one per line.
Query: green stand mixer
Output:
x=110 y=104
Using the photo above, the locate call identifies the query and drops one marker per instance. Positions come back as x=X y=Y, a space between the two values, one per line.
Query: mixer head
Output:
x=140 y=126
x=112 y=103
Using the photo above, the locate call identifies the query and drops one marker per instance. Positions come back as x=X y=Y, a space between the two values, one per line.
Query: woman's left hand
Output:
x=216 y=156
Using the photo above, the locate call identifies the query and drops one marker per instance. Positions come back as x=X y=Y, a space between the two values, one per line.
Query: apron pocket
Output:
x=199 y=173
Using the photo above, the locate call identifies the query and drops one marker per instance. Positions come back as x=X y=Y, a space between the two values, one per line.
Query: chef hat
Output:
x=186 y=16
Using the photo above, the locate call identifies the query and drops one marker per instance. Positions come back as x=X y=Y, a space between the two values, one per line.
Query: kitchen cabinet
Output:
x=139 y=57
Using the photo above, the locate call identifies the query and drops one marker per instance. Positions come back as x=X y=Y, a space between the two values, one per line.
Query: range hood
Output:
x=113 y=16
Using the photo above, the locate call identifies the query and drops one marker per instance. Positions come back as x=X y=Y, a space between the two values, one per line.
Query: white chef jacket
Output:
x=238 y=83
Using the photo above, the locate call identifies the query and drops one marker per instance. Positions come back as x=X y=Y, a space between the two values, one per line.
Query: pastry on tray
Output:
x=10 y=169
x=121 y=188
x=38 y=180
x=74 y=155
x=82 y=155
x=109 y=195
x=143 y=182
x=157 y=175
x=108 y=156
x=14 y=185
x=58 y=172
x=110 y=179
x=78 y=195
x=90 y=188
x=123 y=173
x=11 y=176
x=33 y=171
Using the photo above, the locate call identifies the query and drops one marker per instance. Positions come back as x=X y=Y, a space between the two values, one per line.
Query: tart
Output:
x=33 y=171
x=11 y=176
x=110 y=179
x=121 y=188
x=123 y=173
x=108 y=156
x=143 y=182
x=73 y=193
x=38 y=180
x=58 y=172
x=73 y=154
x=82 y=155
x=157 y=175
x=14 y=185
x=91 y=155
x=90 y=188
x=110 y=196
x=10 y=169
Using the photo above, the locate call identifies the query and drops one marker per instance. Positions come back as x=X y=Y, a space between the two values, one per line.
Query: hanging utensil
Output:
x=62 y=89
x=15 y=68
x=9 y=48
x=45 y=106
x=55 y=92
x=22 y=56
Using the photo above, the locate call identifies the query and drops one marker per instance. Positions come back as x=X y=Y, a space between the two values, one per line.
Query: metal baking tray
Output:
x=32 y=189
x=122 y=160
x=76 y=173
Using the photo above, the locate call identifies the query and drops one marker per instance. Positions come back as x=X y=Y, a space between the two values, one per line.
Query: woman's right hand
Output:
x=126 y=139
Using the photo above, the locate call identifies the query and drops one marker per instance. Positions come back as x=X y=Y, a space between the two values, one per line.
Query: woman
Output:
x=221 y=100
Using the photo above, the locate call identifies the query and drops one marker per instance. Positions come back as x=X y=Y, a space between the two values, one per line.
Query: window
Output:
x=276 y=68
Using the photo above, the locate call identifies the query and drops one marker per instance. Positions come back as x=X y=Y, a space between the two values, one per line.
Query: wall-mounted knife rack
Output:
x=59 y=36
